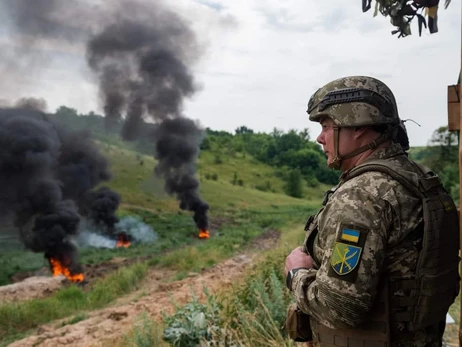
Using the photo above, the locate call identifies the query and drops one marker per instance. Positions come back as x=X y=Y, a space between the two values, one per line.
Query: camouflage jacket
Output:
x=340 y=294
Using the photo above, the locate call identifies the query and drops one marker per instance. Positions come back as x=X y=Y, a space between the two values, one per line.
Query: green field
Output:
x=143 y=195
x=246 y=198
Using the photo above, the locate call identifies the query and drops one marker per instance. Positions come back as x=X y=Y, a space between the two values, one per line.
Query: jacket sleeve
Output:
x=352 y=238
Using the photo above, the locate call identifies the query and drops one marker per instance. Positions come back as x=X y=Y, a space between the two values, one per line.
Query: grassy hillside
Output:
x=138 y=186
x=233 y=208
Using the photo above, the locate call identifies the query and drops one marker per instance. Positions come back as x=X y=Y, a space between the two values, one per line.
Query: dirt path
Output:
x=102 y=327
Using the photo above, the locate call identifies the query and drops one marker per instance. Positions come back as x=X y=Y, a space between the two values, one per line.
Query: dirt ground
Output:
x=103 y=327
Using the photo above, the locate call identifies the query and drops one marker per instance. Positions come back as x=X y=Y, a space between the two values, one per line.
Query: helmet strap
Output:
x=337 y=161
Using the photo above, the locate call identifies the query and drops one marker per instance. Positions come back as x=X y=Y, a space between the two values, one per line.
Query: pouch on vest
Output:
x=297 y=324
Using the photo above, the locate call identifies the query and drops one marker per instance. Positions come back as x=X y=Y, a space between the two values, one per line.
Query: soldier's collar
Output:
x=381 y=153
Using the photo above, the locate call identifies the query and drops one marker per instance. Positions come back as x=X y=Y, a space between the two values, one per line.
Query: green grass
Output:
x=18 y=318
x=139 y=187
x=144 y=333
x=230 y=239
x=13 y=261
x=77 y=318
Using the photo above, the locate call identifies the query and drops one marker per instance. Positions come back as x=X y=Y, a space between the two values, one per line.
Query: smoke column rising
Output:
x=142 y=60
x=141 y=54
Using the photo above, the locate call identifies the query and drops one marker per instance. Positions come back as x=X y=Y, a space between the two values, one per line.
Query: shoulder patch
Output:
x=345 y=258
x=347 y=252
x=350 y=235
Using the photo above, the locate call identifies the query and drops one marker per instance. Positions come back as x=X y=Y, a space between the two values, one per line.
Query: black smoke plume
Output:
x=47 y=174
x=143 y=62
x=100 y=206
x=177 y=147
x=142 y=55
x=31 y=195
x=81 y=167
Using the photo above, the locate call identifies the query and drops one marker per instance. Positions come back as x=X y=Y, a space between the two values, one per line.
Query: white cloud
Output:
x=264 y=59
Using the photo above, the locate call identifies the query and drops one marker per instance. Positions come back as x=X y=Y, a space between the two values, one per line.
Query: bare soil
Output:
x=104 y=327
x=31 y=288
x=39 y=284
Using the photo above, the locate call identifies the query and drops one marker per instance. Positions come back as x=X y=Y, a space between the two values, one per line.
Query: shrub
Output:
x=193 y=323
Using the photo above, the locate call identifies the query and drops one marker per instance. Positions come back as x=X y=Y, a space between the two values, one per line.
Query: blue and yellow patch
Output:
x=350 y=235
x=345 y=258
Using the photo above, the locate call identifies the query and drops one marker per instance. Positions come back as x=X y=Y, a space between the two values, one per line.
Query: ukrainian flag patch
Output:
x=350 y=235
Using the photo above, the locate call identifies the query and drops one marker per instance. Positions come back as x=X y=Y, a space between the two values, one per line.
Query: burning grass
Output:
x=204 y=234
x=57 y=268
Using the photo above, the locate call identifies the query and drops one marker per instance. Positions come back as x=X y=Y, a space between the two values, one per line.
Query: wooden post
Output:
x=460 y=183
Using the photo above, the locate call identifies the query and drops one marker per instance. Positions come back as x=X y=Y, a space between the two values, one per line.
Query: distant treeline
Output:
x=442 y=157
x=287 y=151
x=293 y=153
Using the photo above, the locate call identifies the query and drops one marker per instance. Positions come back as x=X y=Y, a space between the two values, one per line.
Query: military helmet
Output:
x=354 y=101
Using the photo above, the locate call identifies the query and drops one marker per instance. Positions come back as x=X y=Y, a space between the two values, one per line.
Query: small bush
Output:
x=193 y=323
x=294 y=184
x=312 y=182
x=255 y=310
x=265 y=187
x=234 y=181
x=218 y=159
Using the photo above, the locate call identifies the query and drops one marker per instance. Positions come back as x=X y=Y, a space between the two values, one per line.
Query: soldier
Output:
x=379 y=264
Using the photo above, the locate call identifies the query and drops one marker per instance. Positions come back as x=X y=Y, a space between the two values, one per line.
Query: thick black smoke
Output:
x=47 y=174
x=81 y=167
x=142 y=55
x=31 y=104
x=31 y=195
x=143 y=63
x=177 y=147
x=100 y=206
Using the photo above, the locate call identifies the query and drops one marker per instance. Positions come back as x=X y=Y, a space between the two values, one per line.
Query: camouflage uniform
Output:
x=383 y=220
x=384 y=209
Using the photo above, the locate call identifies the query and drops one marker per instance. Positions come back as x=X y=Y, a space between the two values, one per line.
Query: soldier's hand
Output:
x=298 y=258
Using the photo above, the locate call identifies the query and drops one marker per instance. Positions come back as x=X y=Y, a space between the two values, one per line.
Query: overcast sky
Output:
x=263 y=59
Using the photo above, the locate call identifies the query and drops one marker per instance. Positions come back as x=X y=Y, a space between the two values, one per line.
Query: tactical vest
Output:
x=429 y=295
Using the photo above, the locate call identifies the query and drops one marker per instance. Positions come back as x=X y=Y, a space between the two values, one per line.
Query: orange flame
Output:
x=123 y=242
x=204 y=234
x=58 y=269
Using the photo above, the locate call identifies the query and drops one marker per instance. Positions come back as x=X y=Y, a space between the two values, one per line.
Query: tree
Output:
x=402 y=12
x=243 y=130
x=294 y=184
x=443 y=149
x=64 y=111
x=305 y=134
